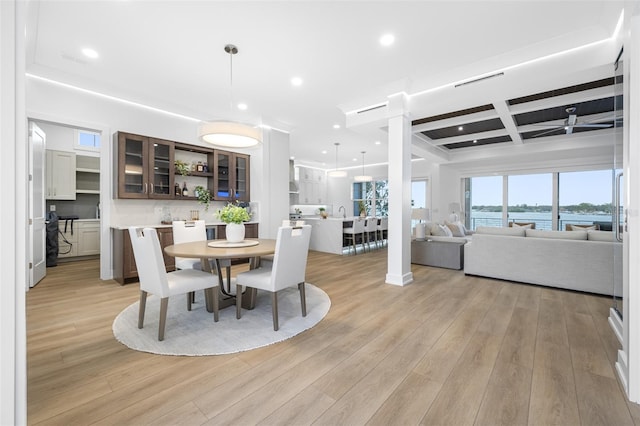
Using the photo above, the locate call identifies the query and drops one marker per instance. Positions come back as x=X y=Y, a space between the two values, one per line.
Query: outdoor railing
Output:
x=540 y=223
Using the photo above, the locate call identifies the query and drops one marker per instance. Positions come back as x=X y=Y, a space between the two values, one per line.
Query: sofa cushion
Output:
x=494 y=230
x=563 y=235
x=600 y=236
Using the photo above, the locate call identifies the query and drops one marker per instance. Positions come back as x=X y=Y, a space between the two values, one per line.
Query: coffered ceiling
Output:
x=170 y=55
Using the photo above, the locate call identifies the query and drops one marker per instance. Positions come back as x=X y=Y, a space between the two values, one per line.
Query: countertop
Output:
x=160 y=225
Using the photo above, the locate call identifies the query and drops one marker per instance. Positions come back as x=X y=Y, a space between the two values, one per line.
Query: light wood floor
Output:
x=446 y=350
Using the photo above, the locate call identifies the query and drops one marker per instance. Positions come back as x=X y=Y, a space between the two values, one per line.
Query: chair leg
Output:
x=164 y=303
x=189 y=300
x=303 y=299
x=216 y=303
x=238 y=301
x=274 y=310
x=141 y=308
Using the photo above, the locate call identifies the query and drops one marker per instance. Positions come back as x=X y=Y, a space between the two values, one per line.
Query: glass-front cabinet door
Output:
x=161 y=174
x=132 y=166
x=222 y=176
x=145 y=167
x=231 y=176
x=241 y=177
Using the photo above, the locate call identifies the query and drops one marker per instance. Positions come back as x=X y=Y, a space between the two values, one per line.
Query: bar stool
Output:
x=371 y=231
x=352 y=234
x=383 y=227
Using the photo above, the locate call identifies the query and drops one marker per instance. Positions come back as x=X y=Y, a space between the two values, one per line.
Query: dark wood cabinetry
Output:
x=145 y=167
x=146 y=170
x=231 y=176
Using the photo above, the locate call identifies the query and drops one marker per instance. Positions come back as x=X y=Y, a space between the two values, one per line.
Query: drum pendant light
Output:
x=230 y=134
x=362 y=177
x=337 y=173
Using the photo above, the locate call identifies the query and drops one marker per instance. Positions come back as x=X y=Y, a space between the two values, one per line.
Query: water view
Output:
x=541 y=219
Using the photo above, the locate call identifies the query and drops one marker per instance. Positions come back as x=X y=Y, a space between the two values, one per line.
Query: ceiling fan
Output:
x=571 y=122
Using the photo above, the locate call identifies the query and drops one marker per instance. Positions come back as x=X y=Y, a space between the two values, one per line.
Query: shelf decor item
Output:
x=204 y=196
x=323 y=212
x=183 y=168
x=234 y=216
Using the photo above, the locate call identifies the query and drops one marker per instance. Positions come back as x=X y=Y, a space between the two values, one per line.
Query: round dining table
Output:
x=251 y=249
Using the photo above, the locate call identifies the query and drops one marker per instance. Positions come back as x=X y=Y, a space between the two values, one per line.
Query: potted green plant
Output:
x=234 y=216
x=323 y=212
x=363 y=208
x=204 y=196
x=182 y=167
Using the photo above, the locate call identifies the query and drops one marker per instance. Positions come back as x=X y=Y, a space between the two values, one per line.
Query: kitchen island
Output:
x=326 y=234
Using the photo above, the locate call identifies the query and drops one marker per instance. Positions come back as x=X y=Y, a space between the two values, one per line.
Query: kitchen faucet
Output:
x=344 y=212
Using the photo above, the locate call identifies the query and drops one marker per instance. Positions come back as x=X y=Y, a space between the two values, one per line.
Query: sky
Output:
x=575 y=187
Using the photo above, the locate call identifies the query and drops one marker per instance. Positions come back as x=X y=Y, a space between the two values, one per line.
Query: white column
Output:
x=399 y=252
x=13 y=175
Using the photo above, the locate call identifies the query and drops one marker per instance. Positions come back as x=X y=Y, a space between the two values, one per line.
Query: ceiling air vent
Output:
x=371 y=108
x=479 y=79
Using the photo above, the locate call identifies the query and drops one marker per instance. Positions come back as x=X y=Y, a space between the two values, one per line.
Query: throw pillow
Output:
x=581 y=227
x=457 y=228
x=527 y=226
x=445 y=229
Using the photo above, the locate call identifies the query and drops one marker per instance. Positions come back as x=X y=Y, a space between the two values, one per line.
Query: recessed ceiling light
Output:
x=475 y=141
x=336 y=126
x=460 y=128
x=242 y=106
x=377 y=142
x=292 y=158
x=355 y=159
x=296 y=81
x=387 y=40
x=89 y=53
x=324 y=151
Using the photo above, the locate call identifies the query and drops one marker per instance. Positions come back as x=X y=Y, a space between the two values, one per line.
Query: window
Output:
x=372 y=197
x=419 y=194
x=88 y=140
x=486 y=201
x=530 y=199
x=585 y=198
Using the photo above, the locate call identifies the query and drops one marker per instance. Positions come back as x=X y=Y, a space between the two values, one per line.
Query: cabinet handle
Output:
x=145 y=187
x=152 y=190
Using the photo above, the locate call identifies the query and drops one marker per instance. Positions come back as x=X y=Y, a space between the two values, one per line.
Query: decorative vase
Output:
x=235 y=232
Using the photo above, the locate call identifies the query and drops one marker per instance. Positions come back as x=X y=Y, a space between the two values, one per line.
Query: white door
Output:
x=37 y=227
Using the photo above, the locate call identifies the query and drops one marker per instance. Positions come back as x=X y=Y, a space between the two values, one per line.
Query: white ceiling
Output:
x=170 y=55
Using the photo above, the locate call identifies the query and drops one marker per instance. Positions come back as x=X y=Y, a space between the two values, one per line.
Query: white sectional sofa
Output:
x=575 y=260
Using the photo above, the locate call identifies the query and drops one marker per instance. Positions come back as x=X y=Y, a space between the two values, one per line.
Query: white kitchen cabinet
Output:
x=80 y=239
x=312 y=186
x=88 y=238
x=60 y=175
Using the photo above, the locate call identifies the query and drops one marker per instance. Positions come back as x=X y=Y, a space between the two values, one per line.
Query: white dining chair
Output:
x=268 y=259
x=288 y=270
x=195 y=230
x=155 y=279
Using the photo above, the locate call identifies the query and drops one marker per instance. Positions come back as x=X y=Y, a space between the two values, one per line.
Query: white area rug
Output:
x=195 y=333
